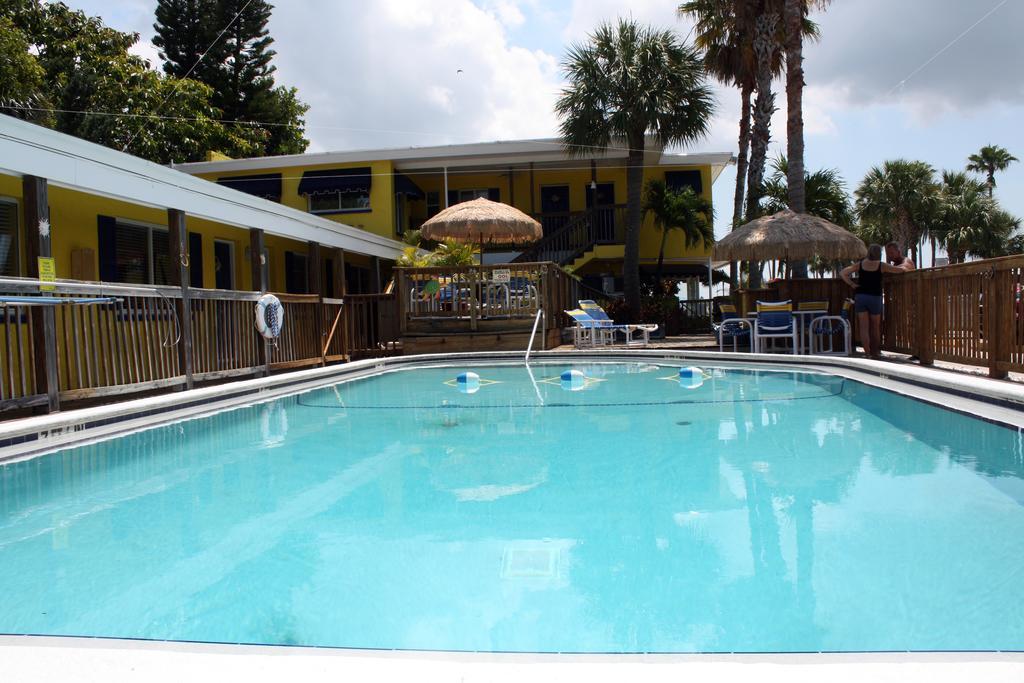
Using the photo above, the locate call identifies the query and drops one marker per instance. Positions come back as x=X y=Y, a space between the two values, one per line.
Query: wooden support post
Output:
x=533 y=204
x=257 y=264
x=257 y=245
x=401 y=297
x=545 y=285
x=341 y=291
x=511 y=188
x=1001 y=294
x=314 y=285
x=375 y=281
x=925 y=308
x=474 y=298
x=44 y=322
x=178 y=240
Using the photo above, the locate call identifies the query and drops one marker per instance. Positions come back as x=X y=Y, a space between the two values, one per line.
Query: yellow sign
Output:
x=47 y=273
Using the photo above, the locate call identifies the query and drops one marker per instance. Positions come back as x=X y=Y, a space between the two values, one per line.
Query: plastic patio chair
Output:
x=588 y=332
x=774 y=320
x=827 y=327
x=597 y=313
x=732 y=326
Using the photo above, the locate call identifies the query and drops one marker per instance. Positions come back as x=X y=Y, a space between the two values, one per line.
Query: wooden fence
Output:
x=969 y=313
x=149 y=339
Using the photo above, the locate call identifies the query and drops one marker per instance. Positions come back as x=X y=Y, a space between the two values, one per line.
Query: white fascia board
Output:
x=66 y=161
x=500 y=153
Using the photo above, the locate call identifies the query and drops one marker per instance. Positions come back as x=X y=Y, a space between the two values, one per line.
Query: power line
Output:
x=194 y=119
x=189 y=72
x=947 y=46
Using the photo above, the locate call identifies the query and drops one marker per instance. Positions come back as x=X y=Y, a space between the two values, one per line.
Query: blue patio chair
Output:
x=827 y=327
x=732 y=327
x=587 y=331
x=774 y=321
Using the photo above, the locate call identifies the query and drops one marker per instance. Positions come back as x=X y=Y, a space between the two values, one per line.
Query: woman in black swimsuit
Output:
x=868 y=299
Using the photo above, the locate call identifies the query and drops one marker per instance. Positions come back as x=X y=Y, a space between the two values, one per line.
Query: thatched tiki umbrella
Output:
x=789 y=236
x=482 y=221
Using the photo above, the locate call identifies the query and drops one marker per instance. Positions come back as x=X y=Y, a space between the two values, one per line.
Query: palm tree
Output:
x=963 y=214
x=625 y=82
x=898 y=195
x=988 y=160
x=679 y=210
x=1000 y=237
x=794 y=15
x=729 y=58
x=824 y=191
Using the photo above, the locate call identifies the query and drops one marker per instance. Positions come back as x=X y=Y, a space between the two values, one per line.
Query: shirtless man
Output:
x=894 y=255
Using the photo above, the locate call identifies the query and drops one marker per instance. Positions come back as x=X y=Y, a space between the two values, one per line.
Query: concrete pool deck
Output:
x=43 y=658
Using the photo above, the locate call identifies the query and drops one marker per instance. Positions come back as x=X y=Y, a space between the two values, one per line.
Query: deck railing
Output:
x=968 y=313
x=509 y=291
x=138 y=342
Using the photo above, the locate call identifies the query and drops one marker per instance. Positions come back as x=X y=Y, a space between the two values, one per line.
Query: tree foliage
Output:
x=989 y=160
x=238 y=68
x=627 y=81
x=825 y=189
x=682 y=210
x=898 y=196
x=91 y=87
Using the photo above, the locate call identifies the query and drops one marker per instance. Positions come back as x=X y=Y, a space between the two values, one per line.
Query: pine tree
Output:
x=185 y=30
x=238 y=68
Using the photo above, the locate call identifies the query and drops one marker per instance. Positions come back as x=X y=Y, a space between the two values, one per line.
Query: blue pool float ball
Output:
x=468 y=382
x=573 y=380
x=690 y=372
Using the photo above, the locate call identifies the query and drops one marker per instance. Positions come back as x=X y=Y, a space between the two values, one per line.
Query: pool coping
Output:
x=992 y=400
x=109 y=659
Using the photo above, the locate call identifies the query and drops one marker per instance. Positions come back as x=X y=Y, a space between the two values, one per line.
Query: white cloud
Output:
x=388 y=73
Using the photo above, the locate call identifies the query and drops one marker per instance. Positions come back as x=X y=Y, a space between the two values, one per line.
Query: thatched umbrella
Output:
x=789 y=236
x=482 y=221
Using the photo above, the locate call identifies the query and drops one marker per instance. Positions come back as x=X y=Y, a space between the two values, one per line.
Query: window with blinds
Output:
x=141 y=254
x=8 y=238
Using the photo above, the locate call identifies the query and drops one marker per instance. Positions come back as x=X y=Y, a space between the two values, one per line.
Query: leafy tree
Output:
x=625 y=82
x=898 y=196
x=824 y=191
x=22 y=80
x=988 y=160
x=102 y=93
x=963 y=212
x=237 y=67
x=683 y=210
x=1000 y=237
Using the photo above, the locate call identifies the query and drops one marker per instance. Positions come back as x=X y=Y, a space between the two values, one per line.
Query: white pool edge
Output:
x=56 y=658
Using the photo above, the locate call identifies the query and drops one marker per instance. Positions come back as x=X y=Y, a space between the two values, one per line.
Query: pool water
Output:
x=759 y=511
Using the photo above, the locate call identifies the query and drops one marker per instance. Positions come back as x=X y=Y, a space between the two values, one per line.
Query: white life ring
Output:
x=269 y=316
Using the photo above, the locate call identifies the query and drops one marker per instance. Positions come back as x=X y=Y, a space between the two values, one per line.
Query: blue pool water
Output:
x=759 y=511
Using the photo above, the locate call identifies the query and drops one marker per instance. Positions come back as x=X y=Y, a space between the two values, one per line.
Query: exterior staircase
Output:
x=581 y=234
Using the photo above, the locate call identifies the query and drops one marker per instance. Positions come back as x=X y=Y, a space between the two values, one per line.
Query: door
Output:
x=224 y=264
x=601 y=202
x=554 y=207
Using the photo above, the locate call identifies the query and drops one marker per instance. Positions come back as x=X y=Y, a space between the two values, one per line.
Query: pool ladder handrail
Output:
x=536 y=321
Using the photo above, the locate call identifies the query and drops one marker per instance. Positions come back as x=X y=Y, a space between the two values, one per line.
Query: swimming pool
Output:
x=753 y=511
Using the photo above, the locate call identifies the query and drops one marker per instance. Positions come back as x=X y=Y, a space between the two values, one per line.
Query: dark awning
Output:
x=336 y=180
x=266 y=185
x=677 y=180
x=404 y=185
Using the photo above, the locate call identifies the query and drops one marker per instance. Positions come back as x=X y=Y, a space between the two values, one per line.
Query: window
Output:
x=295 y=279
x=141 y=254
x=8 y=238
x=334 y=202
x=224 y=264
x=433 y=204
x=469 y=195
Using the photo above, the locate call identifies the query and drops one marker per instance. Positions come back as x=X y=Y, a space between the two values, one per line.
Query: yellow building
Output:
x=105 y=215
x=580 y=201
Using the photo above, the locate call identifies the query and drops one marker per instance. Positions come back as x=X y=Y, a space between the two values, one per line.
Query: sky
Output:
x=932 y=80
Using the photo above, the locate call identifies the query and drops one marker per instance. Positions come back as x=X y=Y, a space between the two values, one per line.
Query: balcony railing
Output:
x=576 y=233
